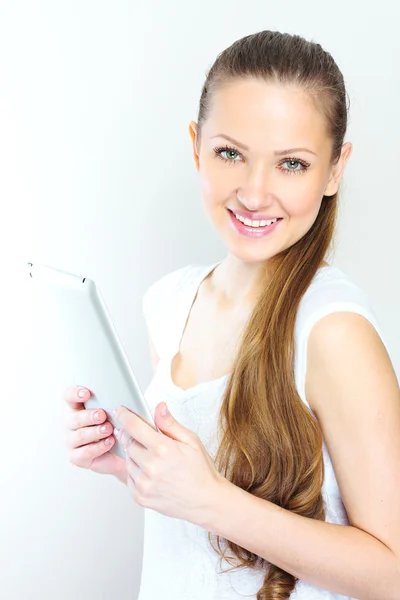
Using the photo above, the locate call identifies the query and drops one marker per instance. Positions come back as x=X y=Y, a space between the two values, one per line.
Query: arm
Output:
x=354 y=392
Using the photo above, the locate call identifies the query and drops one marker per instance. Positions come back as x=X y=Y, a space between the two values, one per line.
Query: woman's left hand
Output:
x=170 y=472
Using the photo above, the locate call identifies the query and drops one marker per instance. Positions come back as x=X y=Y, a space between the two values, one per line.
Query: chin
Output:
x=251 y=255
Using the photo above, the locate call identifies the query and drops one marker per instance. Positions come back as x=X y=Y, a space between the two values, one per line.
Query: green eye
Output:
x=229 y=152
x=293 y=164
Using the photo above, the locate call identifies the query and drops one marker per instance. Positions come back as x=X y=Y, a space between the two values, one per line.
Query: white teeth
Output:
x=251 y=223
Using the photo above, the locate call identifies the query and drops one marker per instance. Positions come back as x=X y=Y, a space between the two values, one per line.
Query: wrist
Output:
x=221 y=498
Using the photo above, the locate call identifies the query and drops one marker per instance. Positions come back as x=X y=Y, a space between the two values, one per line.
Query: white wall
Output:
x=96 y=177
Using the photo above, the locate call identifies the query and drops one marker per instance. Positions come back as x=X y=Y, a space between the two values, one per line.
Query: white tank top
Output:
x=178 y=561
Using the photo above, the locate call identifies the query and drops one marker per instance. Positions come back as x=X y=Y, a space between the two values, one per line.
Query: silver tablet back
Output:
x=77 y=324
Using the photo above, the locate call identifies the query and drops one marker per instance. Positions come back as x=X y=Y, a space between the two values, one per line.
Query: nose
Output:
x=256 y=193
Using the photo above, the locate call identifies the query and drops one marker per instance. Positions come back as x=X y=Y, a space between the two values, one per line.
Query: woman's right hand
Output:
x=88 y=447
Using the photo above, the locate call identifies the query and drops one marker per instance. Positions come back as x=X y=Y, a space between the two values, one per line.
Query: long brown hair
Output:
x=271 y=444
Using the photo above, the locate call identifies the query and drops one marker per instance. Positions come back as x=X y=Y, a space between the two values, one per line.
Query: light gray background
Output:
x=97 y=178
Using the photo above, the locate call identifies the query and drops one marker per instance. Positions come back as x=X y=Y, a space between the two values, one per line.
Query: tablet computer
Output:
x=78 y=328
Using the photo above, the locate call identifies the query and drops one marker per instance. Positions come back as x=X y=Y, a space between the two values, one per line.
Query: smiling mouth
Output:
x=256 y=223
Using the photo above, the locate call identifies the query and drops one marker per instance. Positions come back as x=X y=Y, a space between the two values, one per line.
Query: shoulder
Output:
x=333 y=291
x=343 y=348
x=170 y=285
x=344 y=338
x=166 y=301
x=332 y=310
x=167 y=283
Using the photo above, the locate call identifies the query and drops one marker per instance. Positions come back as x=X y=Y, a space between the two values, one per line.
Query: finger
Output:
x=137 y=452
x=87 y=435
x=132 y=469
x=85 y=418
x=71 y=397
x=122 y=436
x=85 y=455
x=172 y=429
x=136 y=427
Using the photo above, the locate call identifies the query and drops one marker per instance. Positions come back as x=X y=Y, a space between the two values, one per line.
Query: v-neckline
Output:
x=194 y=389
x=175 y=390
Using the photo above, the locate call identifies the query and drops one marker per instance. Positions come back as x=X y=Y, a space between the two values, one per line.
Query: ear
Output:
x=337 y=170
x=193 y=135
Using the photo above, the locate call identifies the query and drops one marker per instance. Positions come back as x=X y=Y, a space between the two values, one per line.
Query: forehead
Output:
x=261 y=114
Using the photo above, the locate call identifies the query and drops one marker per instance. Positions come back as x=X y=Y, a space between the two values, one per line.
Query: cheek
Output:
x=304 y=201
x=215 y=190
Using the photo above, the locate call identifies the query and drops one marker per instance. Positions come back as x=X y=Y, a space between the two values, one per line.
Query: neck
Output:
x=241 y=282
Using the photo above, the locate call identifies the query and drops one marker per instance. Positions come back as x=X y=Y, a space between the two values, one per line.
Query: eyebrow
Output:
x=277 y=152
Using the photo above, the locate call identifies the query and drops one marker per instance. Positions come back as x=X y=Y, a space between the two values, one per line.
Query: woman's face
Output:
x=278 y=167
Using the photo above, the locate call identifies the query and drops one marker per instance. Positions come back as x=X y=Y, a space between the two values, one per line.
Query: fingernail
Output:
x=116 y=432
x=164 y=411
x=96 y=415
x=82 y=393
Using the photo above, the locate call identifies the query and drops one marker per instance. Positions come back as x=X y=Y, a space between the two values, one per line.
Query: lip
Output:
x=253 y=216
x=254 y=232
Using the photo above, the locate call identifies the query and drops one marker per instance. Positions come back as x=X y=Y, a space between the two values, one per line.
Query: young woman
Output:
x=276 y=472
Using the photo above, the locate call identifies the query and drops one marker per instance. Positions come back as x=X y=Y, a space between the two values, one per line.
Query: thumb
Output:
x=170 y=427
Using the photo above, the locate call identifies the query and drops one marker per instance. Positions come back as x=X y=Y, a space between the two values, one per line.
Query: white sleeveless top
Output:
x=178 y=561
